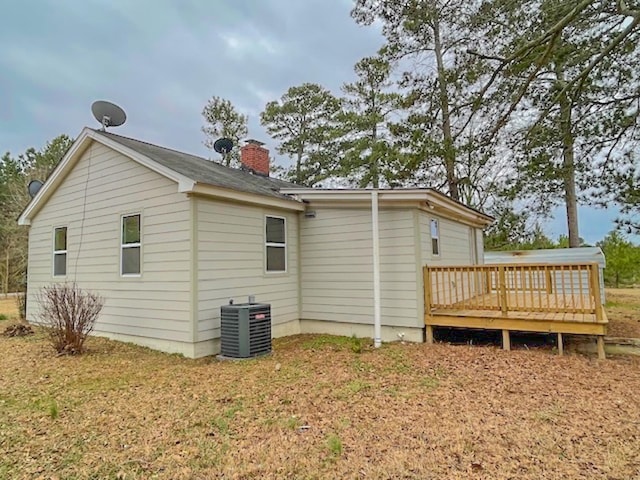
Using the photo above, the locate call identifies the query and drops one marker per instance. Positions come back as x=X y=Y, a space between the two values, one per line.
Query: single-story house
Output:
x=167 y=238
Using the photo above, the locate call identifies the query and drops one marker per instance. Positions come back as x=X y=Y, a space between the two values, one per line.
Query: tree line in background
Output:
x=15 y=175
x=512 y=107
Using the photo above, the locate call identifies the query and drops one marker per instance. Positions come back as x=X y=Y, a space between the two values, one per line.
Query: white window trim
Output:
x=130 y=245
x=60 y=252
x=437 y=237
x=276 y=244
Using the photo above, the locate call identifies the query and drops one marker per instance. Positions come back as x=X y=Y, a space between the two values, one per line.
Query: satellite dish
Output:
x=34 y=187
x=223 y=145
x=108 y=114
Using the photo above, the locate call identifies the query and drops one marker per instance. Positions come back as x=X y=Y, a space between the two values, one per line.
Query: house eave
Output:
x=212 y=191
x=423 y=198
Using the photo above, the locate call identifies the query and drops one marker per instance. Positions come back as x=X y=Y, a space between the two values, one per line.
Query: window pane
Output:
x=276 y=259
x=131 y=260
x=61 y=238
x=131 y=229
x=434 y=229
x=435 y=248
x=60 y=264
x=275 y=230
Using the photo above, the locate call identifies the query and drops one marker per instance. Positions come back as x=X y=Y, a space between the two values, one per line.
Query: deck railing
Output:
x=557 y=288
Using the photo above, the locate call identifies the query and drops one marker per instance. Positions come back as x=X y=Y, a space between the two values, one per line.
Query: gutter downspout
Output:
x=377 y=335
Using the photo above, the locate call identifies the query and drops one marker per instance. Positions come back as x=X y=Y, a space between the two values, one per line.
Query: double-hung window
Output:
x=435 y=237
x=59 y=251
x=130 y=246
x=276 y=244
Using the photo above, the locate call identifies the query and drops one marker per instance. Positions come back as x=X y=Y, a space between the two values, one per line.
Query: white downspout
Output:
x=377 y=335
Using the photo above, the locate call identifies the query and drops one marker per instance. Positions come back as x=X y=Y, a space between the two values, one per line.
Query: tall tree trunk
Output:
x=6 y=272
x=449 y=153
x=298 y=167
x=568 y=164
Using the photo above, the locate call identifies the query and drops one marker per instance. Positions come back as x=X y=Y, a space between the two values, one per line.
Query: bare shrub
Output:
x=71 y=314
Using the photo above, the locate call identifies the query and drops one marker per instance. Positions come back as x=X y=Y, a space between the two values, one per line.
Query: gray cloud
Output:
x=162 y=60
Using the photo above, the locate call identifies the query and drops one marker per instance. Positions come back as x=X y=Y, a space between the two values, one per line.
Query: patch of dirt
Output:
x=316 y=408
x=18 y=330
x=623 y=311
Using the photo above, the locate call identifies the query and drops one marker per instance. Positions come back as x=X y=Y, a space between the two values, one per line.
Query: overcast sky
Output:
x=161 y=60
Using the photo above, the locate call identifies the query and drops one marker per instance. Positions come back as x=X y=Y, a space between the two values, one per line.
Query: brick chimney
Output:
x=255 y=157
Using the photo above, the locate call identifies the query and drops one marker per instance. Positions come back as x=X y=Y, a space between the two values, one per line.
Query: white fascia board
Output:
x=363 y=195
x=443 y=203
x=446 y=206
x=245 y=197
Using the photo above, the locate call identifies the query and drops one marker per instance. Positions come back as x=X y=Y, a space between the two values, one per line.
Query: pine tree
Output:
x=304 y=120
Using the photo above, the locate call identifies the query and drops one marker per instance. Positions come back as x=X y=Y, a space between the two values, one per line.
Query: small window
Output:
x=276 y=244
x=130 y=246
x=435 y=237
x=60 y=251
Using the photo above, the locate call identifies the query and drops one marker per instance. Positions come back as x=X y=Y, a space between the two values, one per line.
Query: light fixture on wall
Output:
x=310 y=214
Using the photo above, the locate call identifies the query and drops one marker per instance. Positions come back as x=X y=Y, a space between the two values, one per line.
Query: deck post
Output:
x=426 y=274
x=506 y=340
x=600 y=341
x=597 y=294
x=429 y=334
x=502 y=281
x=560 y=345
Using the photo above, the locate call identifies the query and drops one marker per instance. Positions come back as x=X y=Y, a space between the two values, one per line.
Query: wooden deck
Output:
x=562 y=298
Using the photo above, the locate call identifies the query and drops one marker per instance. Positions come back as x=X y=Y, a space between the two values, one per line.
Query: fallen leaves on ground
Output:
x=401 y=411
x=18 y=330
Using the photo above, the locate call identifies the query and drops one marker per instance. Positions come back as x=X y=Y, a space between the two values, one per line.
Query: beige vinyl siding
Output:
x=154 y=305
x=456 y=248
x=231 y=263
x=337 y=267
x=455 y=241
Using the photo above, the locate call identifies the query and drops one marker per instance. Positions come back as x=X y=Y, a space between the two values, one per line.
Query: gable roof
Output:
x=204 y=171
x=192 y=174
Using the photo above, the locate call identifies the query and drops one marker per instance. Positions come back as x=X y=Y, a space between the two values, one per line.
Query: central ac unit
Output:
x=245 y=330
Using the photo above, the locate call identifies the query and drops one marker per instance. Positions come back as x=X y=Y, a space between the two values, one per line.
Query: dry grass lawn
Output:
x=8 y=307
x=317 y=409
x=623 y=310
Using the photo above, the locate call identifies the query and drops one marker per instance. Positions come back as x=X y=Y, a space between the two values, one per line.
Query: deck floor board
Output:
x=531 y=307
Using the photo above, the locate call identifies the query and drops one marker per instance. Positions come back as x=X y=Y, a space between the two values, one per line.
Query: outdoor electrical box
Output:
x=246 y=330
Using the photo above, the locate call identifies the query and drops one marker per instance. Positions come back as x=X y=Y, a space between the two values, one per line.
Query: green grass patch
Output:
x=54 y=413
x=357 y=386
x=429 y=382
x=220 y=424
x=3 y=316
x=293 y=423
x=356 y=345
x=334 y=444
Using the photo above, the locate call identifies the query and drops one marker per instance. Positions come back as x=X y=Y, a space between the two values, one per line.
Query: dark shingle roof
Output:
x=205 y=171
